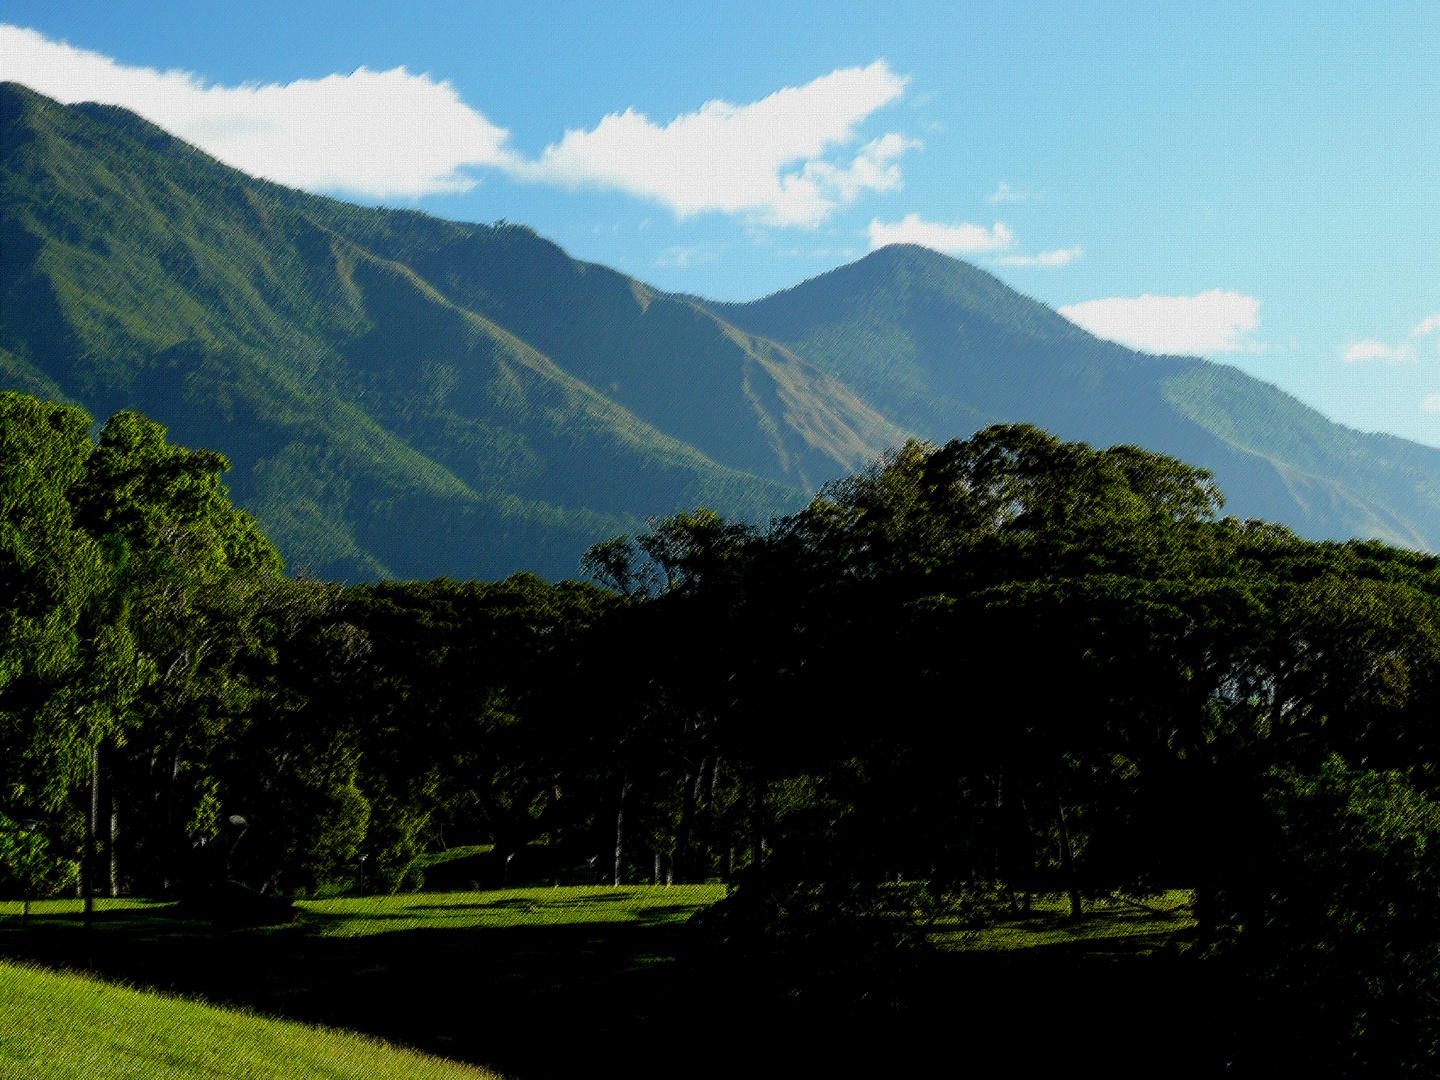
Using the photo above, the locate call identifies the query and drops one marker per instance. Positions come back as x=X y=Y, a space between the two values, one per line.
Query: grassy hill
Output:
x=402 y=396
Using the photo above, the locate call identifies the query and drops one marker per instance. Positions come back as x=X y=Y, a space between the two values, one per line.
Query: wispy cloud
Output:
x=780 y=161
x=683 y=257
x=1004 y=193
x=818 y=253
x=1431 y=404
x=369 y=133
x=963 y=239
x=1059 y=257
x=1364 y=351
x=1214 y=321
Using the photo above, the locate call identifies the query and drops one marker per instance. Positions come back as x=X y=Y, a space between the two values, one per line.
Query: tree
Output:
x=28 y=865
x=132 y=582
x=69 y=670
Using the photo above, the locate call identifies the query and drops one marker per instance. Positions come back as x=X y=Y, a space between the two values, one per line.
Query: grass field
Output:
x=478 y=977
x=509 y=908
x=563 y=982
x=1113 y=925
x=67 y=1026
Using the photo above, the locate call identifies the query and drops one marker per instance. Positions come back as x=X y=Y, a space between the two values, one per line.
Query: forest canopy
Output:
x=964 y=676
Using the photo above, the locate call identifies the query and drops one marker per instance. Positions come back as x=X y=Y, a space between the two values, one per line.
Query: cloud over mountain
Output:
x=767 y=159
x=369 y=133
x=781 y=161
x=963 y=239
x=1209 y=322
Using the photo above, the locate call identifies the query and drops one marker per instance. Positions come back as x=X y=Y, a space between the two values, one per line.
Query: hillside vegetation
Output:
x=402 y=396
x=943 y=348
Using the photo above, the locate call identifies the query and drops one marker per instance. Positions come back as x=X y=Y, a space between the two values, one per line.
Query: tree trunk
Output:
x=710 y=804
x=1067 y=864
x=173 y=843
x=757 y=840
x=681 y=856
x=620 y=832
x=110 y=845
x=996 y=834
x=92 y=820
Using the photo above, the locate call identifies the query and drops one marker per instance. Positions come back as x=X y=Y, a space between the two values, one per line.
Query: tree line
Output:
x=962 y=677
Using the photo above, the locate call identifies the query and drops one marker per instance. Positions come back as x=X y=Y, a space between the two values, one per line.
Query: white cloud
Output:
x=391 y=133
x=1004 y=193
x=1427 y=325
x=1059 y=257
x=1431 y=404
x=1366 y=350
x=962 y=239
x=1363 y=351
x=766 y=159
x=1210 y=322
x=370 y=133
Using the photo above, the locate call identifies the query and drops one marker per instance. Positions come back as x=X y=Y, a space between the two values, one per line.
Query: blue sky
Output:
x=1261 y=187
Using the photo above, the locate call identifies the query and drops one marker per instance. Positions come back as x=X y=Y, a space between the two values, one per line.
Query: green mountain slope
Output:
x=406 y=396
x=377 y=427
x=937 y=345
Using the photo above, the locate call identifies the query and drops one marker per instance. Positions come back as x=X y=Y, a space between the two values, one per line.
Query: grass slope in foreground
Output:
x=58 y=1026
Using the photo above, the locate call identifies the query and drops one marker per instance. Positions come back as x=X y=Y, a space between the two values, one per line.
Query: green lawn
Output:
x=551 y=983
x=58 y=1026
x=1107 y=926
x=480 y=977
x=509 y=908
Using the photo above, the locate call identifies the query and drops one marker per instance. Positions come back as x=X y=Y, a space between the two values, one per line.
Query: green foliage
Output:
x=1014 y=666
x=968 y=676
x=1338 y=928
x=148 y=629
x=68 y=670
x=28 y=866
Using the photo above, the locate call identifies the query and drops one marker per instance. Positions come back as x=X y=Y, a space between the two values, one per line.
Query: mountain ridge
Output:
x=406 y=396
x=1183 y=406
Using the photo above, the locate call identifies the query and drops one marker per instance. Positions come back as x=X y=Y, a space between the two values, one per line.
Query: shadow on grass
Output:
x=532 y=1001
x=564 y=1000
x=478 y=905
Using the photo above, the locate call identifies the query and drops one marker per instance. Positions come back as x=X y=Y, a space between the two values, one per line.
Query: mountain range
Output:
x=405 y=396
